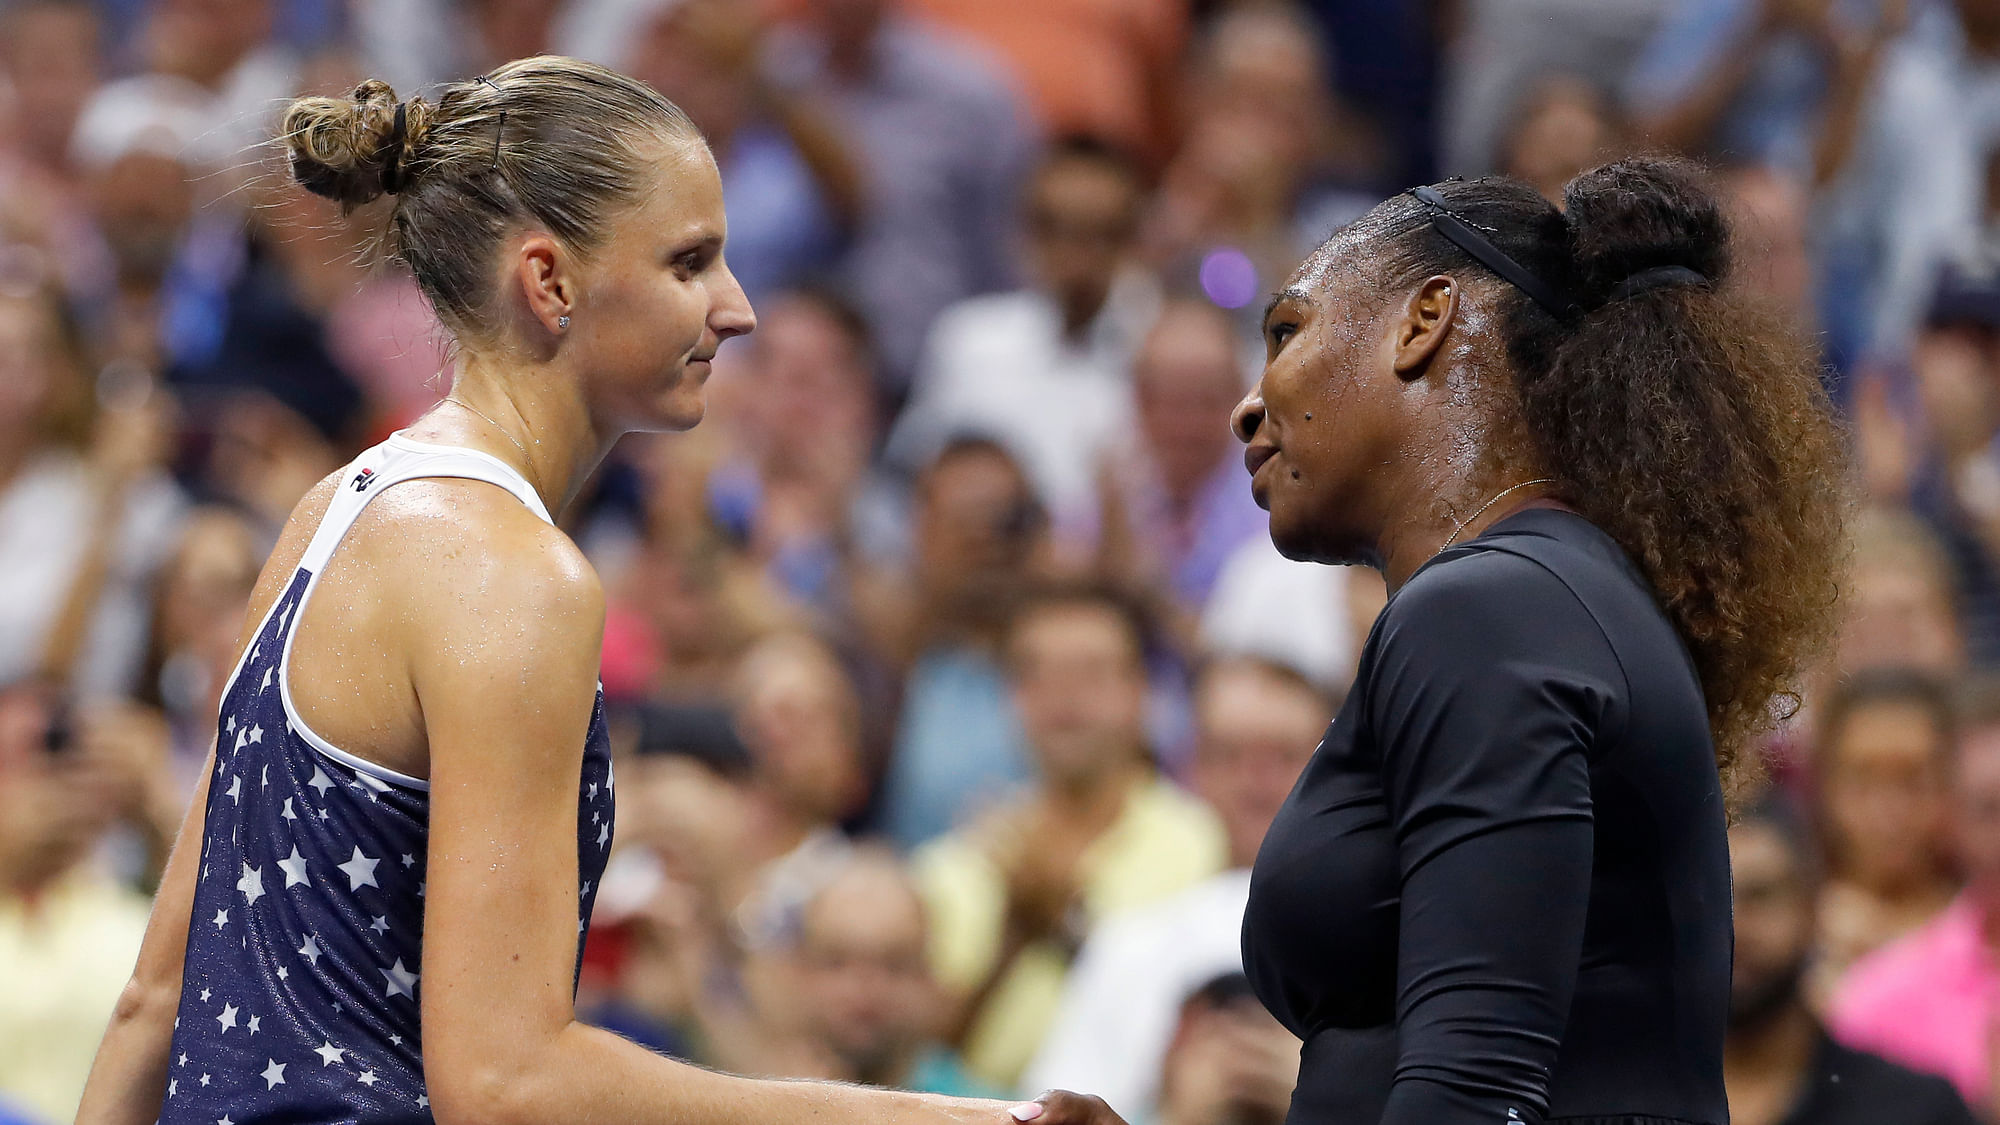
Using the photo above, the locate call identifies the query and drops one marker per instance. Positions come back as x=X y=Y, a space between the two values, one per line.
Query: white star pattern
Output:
x=360 y=871
x=288 y=814
x=221 y=918
x=283 y=972
x=254 y=1021
x=401 y=981
x=204 y=1079
x=395 y=1040
x=173 y=1086
x=593 y=791
x=380 y=925
x=230 y=726
x=228 y=1017
x=266 y=777
x=294 y=867
x=184 y=1058
x=205 y=994
x=586 y=886
x=267 y=681
x=320 y=781
x=368 y=1079
x=604 y=835
x=235 y=792
x=256 y=735
x=274 y=1074
x=330 y=1054
x=409 y=860
x=242 y=736
x=310 y=951
x=326 y=814
x=423 y=1101
x=256 y=652
x=251 y=884
x=224 y=1120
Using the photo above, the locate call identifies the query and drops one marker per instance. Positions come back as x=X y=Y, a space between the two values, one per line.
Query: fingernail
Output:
x=1026 y=1111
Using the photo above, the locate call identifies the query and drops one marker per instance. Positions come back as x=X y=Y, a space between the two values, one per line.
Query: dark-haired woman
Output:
x=374 y=911
x=1605 y=492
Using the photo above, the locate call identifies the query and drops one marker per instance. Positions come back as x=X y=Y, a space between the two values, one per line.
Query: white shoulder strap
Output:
x=399 y=459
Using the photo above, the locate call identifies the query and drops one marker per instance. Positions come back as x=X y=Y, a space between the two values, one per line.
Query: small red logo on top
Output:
x=363 y=479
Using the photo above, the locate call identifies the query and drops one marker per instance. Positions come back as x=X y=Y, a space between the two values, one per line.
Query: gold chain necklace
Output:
x=492 y=423
x=1490 y=503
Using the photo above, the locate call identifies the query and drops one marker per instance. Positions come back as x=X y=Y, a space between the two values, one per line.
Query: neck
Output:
x=1095 y=798
x=555 y=443
x=1411 y=544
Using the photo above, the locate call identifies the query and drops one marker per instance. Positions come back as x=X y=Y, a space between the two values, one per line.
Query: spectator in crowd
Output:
x=1769 y=215
x=224 y=49
x=1176 y=507
x=799 y=715
x=1047 y=371
x=1885 y=741
x=1562 y=126
x=1228 y=1061
x=1498 y=48
x=1947 y=469
x=50 y=65
x=1097 y=68
x=86 y=514
x=197 y=620
x=1901 y=608
x=792 y=182
x=1931 y=1000
x=151 y=287
x=1913 y=192
x=68 y=929
x=980 y=541
x=798 y=486
x=946 y=147
x=1776 y=82
x=1257 y=726
x=871 y=1007
x=1270 y=163
x=1780 y=1065
x=1012 y=894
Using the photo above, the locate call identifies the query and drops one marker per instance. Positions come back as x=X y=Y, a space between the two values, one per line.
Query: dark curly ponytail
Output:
x=1683 y=417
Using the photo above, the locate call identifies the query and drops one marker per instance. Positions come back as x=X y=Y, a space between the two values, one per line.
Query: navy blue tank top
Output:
x=299 y=997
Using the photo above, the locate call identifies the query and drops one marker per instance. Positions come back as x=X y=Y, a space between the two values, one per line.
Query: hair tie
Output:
x=1658 y=277
x=392 y=173
x=1450 y=224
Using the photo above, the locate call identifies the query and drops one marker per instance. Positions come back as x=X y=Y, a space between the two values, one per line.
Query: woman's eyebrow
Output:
x=1289 y=293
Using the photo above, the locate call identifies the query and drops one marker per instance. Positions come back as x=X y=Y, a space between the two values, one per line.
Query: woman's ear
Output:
x=546 y=284
x=1426 y=320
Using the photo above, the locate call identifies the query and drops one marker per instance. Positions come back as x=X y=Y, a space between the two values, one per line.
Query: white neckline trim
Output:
x=526 y=492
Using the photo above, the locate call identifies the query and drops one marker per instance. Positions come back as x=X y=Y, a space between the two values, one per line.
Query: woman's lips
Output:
x=1255 y=456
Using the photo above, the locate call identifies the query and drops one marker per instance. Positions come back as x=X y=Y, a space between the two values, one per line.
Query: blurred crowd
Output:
x=954 y=677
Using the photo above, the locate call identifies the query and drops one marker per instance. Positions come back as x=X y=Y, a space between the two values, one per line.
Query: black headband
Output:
x=392 y=174
x=1460 y=232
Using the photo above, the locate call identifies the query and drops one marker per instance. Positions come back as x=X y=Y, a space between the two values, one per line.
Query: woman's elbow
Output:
x=494 y=1091
x=142 y=1001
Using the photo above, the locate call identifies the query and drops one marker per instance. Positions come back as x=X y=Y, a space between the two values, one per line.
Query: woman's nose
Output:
x=1247 y=417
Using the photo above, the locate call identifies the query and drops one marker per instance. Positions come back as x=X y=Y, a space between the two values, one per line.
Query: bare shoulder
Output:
x=470 y=561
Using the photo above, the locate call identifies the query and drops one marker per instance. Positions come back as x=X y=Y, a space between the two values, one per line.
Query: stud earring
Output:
x=562 y=321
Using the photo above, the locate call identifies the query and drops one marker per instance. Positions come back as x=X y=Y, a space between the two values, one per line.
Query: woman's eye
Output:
x=1279 y=333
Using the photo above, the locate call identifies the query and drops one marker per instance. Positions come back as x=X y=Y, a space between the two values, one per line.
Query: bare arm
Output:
x=128 y=1079
x=506 y=684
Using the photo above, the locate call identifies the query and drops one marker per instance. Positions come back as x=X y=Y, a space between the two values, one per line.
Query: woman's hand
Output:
x=1061 y=1107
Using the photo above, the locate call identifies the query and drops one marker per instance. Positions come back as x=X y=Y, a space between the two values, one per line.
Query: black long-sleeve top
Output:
x=1500 y=890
